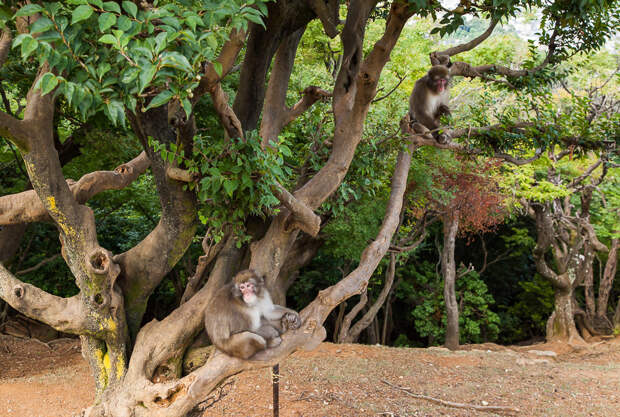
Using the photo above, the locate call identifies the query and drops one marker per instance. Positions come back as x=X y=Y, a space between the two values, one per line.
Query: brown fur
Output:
x=427 y=105
x=228 y=319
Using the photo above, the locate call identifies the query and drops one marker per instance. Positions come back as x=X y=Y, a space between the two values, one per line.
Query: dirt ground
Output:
x=53 y=380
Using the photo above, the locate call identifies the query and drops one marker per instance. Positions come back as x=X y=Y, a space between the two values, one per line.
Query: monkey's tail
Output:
x=242 y=345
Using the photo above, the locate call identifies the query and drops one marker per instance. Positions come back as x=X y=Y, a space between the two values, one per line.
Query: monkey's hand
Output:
x=291 y=321
x=443 y=109
x=443 y=138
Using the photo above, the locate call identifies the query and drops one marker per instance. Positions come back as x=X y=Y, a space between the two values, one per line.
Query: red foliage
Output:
x=471 y=192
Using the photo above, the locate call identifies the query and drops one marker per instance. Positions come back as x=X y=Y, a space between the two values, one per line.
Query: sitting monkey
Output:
x=242 y=320
x=429 y=101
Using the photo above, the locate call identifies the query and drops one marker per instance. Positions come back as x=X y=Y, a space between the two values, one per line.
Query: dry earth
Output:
x=346 y=380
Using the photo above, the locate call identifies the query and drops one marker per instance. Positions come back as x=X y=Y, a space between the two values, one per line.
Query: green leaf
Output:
x=187 y=106
x=130 y=8
x=109 y=39
x=146 y=76
x=29 y=45
x=230 y=187
x=42 y=24
x=175 y=60
x=124 y=23
x=193 y=21
x=29 y=10
x=286 y=151
x=106 y=21
x=110 y=6
x=255 y=19
x=160 y=99
x=116 y=112
x=160 y=42
x=129 y=75
x=83 y=12
x=48 y=83
x=217 y=67
x=103 y=69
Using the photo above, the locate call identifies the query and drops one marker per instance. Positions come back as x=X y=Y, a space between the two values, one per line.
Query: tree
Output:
x=561 y=208
x=162 y=72
x=469 y=201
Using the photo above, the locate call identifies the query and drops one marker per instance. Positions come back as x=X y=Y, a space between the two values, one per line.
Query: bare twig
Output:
x=37 y=266
x=485 y=408
x=400 y=81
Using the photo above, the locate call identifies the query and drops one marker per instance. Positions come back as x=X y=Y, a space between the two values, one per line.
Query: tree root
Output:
x=485 y=408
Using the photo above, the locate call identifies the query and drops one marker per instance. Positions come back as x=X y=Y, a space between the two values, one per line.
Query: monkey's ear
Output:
x=262 y=279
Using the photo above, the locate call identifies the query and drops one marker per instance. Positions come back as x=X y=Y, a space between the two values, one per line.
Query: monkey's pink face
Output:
x=441 y=84
x=248 y=291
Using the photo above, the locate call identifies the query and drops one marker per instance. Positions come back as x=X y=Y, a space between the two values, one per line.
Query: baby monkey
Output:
x=429 y=101
x=242 y=320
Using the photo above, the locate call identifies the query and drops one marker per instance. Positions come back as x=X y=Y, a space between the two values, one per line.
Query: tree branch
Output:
x=370 y=315
x=303 y=217
x=39 y=265
x=63 y=314
x=26 y=207
x=226 y=59
x=436 y=57
x=422 y=138
x=466 y=70
x=228 y=118
x=329 y=18
x=274 y=106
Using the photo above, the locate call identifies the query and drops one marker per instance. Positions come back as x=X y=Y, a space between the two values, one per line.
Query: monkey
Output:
x=429 y=100
x=242 y=320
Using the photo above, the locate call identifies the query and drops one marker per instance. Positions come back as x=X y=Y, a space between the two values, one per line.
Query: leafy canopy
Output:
x=106 y=56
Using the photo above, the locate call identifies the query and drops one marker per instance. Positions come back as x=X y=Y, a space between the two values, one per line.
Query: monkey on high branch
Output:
x=429 y=101
x=242 y=320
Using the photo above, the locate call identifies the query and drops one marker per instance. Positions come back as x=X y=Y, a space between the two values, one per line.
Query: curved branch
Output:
x=344 y=336
x=435 y=56
x=26 y=207
x=311 y=95
x=228 y=118
x=63 y=314
x=482 y=71
x=39 y=265
x=370 y=315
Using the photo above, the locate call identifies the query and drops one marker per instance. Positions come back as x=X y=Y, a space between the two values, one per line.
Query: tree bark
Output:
x=604 y=289
x=616 y=320
x=448 y=270
x=561 y=325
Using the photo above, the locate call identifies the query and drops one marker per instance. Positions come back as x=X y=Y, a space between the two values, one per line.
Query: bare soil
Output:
x=53 y=380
